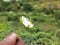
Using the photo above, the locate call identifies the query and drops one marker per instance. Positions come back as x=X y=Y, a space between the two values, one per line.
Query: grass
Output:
x=45 y=31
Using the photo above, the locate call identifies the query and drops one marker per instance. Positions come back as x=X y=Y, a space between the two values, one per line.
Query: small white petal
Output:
x=10 y=11
x=31 y=26
x=9 y=0
x=6 y=0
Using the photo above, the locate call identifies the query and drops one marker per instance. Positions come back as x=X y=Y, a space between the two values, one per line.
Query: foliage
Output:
x=57 y=14
x=27 y=7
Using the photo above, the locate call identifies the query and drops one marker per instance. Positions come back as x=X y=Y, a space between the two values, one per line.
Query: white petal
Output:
x=31 y=26
x=9 y=0
x=6 y=0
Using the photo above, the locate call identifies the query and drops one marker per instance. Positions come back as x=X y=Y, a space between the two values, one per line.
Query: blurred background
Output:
x=44 y=14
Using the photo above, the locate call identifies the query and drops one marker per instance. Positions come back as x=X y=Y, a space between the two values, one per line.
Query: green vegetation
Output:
x=44 y=15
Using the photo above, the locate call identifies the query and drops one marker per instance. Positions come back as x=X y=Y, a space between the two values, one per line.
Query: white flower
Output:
x=26 y=22
x=6 y=0
x=10 y=11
